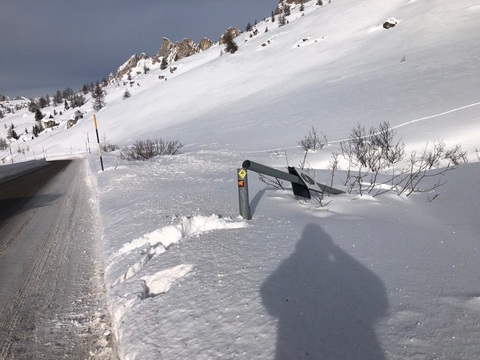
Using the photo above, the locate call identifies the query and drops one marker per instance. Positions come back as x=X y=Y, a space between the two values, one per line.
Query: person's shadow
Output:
x=326 y=303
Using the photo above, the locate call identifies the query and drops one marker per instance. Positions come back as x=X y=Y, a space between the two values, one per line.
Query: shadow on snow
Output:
x=326 y=302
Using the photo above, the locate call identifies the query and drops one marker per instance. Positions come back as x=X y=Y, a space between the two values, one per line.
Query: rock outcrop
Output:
x=168 y=53
x=127 y=67
x=205 y=44
x=175 y=51
x=390 y=23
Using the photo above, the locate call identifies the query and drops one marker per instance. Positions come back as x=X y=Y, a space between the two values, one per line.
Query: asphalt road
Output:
x=52 y=294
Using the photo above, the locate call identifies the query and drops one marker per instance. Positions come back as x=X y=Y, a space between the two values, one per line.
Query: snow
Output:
x=362 y=277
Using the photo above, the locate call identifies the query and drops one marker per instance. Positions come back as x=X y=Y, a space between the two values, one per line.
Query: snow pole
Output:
x=98 y=141
x=11 y=155
x=88 y=145
x=244 y=203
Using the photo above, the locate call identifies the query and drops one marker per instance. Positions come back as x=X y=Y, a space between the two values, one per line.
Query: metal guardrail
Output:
x=302 y=183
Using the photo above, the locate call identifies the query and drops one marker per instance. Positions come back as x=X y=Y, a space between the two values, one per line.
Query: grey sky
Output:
x=48 y=45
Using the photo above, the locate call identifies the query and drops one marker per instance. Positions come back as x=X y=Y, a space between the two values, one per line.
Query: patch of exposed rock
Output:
x=169 y=52
x=233 y=31
x=175 y=51
x=127 y=66
x=205 y=44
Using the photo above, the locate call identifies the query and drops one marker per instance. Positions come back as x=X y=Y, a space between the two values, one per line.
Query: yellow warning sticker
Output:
x=242 y=173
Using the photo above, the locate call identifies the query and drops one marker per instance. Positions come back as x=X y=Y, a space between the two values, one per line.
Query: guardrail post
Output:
x=243 y=200
x=302 y=183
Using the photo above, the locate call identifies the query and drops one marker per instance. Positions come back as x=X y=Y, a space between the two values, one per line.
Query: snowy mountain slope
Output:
x=348 y=70
x=386 y=277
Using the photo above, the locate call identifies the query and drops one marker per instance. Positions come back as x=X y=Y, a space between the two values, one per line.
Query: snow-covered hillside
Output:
x=385 y=277
x=333 y=69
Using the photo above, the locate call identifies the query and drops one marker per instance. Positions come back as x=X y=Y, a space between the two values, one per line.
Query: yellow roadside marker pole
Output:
x=98 y=140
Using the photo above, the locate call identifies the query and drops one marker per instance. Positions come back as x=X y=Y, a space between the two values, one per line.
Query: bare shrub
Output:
x=356 y=148
x=375 y=150
x=312 y=142
x=333 y=166
x=319 y=199
x=107 y=146
x=432 y=157
x=147 y=149
x=369 y=154
x=456 y=155
x=274 y=182
x=383 y=140
x=418 y=170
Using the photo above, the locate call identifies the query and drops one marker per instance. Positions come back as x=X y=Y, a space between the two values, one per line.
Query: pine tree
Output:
x=11 y=133
x=77 y=100
x=57 y=98
x=42 y=102
x=37 y=129
x=98 y=96
x=126 y=94
x=38 y=115
x=163 y=64
x=230 y=44
x=67 y=93
x=32 y=106
x=3 y=144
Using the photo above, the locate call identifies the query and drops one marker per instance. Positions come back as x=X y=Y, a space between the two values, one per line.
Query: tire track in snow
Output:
x=52 y=293
x=13 y=313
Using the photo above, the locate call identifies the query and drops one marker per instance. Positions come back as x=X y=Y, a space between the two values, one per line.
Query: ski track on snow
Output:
x=393 y=127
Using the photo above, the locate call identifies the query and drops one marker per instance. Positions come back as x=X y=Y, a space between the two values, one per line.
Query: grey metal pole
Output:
x=244 y=202
x=262 y=169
